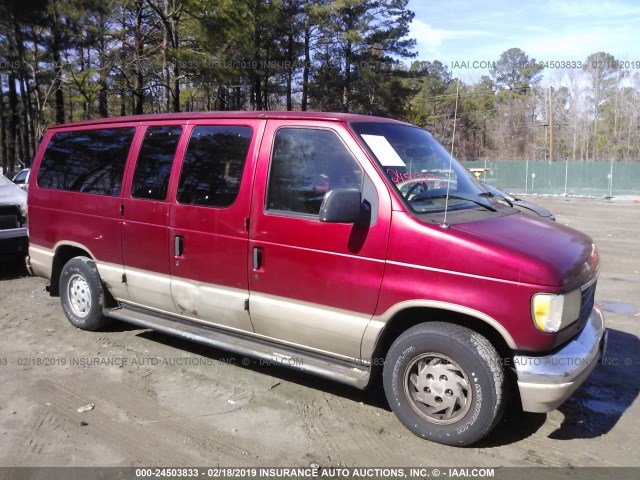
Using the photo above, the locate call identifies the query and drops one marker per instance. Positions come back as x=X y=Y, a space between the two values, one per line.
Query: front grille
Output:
x=586 y=305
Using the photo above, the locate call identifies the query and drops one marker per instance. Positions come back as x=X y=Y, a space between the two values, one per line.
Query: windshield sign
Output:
x=421 y=169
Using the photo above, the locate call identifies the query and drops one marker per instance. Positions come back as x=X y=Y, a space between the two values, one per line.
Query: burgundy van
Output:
x=343 y=245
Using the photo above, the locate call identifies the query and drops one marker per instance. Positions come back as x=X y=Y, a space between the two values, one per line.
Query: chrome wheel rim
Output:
x=79 y=295
x=437 y=388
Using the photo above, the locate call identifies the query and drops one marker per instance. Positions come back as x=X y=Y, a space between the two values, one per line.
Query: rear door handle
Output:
x=177 y=245
x=257 y=258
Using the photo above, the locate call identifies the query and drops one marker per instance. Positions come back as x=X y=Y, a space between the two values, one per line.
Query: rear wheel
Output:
x=445 y=383
x=82 y=295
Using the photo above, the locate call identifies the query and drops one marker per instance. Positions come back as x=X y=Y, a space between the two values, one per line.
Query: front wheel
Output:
x=82 y=295
x=445 y=383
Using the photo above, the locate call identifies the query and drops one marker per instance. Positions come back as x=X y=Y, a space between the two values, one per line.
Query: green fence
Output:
x=599 y=179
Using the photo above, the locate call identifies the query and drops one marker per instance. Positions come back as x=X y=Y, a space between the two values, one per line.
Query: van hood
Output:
x=532 y=250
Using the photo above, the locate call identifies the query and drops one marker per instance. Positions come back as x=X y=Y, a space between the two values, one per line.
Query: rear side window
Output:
x=89 y=161
x=305 y=164
x=151 y=176
x=213 y=165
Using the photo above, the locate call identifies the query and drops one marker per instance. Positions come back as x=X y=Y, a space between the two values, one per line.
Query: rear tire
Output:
x=82 y=295
x=445 y=383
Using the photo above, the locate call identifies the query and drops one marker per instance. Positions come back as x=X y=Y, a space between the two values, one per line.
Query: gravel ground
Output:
x=159 y=401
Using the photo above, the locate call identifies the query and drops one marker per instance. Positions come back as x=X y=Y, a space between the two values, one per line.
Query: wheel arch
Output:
x=382 y=332
x=63 y=252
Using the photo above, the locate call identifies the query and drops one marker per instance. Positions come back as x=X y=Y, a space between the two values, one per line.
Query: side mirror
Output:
x=341 y=205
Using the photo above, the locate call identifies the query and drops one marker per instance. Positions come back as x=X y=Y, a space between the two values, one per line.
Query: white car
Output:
x=13 y=218
x=21 y=179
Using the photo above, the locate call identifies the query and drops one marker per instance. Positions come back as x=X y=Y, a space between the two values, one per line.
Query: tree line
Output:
x=69 y=60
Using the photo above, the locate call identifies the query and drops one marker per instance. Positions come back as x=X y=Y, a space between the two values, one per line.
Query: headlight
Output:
x=552 y=312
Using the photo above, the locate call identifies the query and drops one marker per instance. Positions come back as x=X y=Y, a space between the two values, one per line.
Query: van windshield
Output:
x=421 y=169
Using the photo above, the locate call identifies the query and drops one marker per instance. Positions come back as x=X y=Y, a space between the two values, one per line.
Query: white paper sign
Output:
x=382 y=149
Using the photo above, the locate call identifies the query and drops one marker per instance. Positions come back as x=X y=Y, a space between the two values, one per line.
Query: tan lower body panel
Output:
x=41 y=259
x=149 y=288
x=212 y=303
x=203 y=302
x=309 y=325
x=111 y=275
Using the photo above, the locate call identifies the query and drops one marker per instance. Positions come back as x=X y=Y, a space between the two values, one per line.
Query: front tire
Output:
x=82 y=295
x=445 y=383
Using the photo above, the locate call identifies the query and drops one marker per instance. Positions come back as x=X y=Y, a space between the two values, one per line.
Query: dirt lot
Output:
x=165 y=402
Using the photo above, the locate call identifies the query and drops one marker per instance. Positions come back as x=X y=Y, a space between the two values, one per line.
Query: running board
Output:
x=331 y=368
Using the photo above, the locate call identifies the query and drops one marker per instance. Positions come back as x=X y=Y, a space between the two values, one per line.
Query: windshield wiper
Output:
x=425 y=195
x=501 y=197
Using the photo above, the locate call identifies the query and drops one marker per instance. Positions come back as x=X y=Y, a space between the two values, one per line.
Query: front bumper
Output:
x=546 y=382
x=14 y=240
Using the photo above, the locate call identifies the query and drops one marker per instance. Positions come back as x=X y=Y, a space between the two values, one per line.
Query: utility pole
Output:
x=551 y=125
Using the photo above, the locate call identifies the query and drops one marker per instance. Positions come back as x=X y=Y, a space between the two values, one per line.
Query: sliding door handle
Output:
x=257 y=258
x=177 y=245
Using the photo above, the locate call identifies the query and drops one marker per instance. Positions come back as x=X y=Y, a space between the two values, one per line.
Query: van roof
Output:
x=326 y=116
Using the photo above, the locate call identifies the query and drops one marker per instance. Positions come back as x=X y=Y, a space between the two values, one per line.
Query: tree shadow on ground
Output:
x=12 y=267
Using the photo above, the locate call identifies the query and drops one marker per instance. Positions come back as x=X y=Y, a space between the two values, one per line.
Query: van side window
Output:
x=305 y=164
x=89 y=161
x=151 y=176
x=213 y=165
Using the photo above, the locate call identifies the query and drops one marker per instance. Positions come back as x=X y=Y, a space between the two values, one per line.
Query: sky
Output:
x=464 y=34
